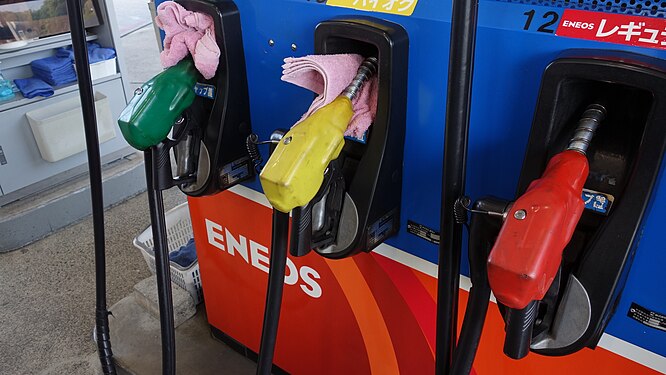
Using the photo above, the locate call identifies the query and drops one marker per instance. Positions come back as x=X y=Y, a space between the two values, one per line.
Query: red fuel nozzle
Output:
x=528 y=250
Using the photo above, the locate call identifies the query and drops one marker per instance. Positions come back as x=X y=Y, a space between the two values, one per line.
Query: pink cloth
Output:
x=188 y=32
x=328 y=76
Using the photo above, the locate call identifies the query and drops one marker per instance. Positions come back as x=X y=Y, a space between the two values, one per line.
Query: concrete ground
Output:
x=136 y=339
x=47 y=296
x=141 y=56
x=132 y=15
x=140 y=49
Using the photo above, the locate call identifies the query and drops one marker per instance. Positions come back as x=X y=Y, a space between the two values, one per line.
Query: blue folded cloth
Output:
x=101 y=54
x=62 y=69
x=186 y=255
x=66 y=52
x=31 y=87
x=96 y=53
x=54 y=70
x=56 y=80
x=51 y=63
x=55 y=73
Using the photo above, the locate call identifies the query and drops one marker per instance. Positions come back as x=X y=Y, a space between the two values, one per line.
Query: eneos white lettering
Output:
x=578 y=25
x=257 y=256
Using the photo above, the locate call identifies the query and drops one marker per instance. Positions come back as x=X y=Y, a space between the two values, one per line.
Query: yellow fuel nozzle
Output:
x=295 y=171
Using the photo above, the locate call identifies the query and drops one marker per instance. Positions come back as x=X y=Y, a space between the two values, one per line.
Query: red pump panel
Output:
x=528 y=251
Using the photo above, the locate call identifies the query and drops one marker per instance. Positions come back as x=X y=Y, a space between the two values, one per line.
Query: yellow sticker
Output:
x=400 y=7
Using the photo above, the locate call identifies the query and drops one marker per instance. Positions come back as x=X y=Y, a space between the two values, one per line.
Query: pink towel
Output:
x=188 y=32
x=328 y=76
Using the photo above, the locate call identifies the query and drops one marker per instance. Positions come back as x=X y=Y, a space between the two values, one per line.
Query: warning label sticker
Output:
x=613 y=28
x=381 y=229
x=399 y=7
x=204 y=90
x=647 y=317
x=235 y=171
x=597 y=201
x=422 y=231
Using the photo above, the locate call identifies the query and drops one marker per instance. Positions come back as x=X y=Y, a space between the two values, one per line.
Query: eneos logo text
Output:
x=256 y=254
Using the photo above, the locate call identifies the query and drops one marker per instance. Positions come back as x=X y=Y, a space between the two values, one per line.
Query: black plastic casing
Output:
x=373 y=171
x=629 y=145
x=228 y=125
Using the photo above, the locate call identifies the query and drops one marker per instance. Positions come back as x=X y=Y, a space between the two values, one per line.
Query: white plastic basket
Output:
x=102 y=69
x=179 y=231
x=58 y=127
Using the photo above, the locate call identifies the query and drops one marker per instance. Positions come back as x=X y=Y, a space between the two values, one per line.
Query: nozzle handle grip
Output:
x=155 y=106
x=300 y=239
x=519 y=325
x=528 y=251
x=295 y=171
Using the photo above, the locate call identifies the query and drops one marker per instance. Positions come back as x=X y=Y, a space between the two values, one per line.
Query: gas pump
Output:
x=344 y=195
x=205 y=128
x=205 y=123
x=384 y=299
x=557 y=257
x=354 y=205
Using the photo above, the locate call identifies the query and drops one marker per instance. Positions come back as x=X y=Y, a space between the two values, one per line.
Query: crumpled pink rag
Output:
x=328 y=76
x=188 y=32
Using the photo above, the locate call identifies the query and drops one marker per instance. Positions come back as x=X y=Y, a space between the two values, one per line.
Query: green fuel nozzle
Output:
x=145 y=123
x=157 y=104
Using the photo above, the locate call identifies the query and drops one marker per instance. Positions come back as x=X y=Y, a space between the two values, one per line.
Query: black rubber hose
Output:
x=482 y=233
x=458 y=98
x=162 y=267
x=278 y=262
x=95 y=171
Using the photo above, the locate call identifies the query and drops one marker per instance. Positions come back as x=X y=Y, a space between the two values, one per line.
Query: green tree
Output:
x=50 y=9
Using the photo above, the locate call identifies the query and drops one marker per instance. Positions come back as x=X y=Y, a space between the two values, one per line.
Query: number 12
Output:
x=550 y=17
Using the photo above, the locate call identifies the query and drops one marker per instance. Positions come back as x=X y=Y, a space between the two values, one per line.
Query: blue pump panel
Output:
x=510 y=59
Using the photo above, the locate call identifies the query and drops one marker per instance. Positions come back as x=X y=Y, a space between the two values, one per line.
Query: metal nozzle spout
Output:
x=367 y=69
x=587 y=126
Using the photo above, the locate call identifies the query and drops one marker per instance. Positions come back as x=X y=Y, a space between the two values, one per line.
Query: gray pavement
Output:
x=141 y=55
x=137 y=342
x=47 y=295
x=132 y=15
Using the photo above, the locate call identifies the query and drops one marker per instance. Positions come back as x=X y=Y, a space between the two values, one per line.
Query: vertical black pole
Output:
x=162 y=267
x=95 y=170
x=458 y=98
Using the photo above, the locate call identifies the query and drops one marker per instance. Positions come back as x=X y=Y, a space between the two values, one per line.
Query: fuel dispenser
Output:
x=357 y=204
x=557 y=257
x=344 y=194
x=373 y=312
x=353 y=309
x=625 y=158
x=207 y=130
x=205 y=123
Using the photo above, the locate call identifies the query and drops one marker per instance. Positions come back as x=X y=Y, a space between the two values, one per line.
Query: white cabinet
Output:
x=23 y=168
